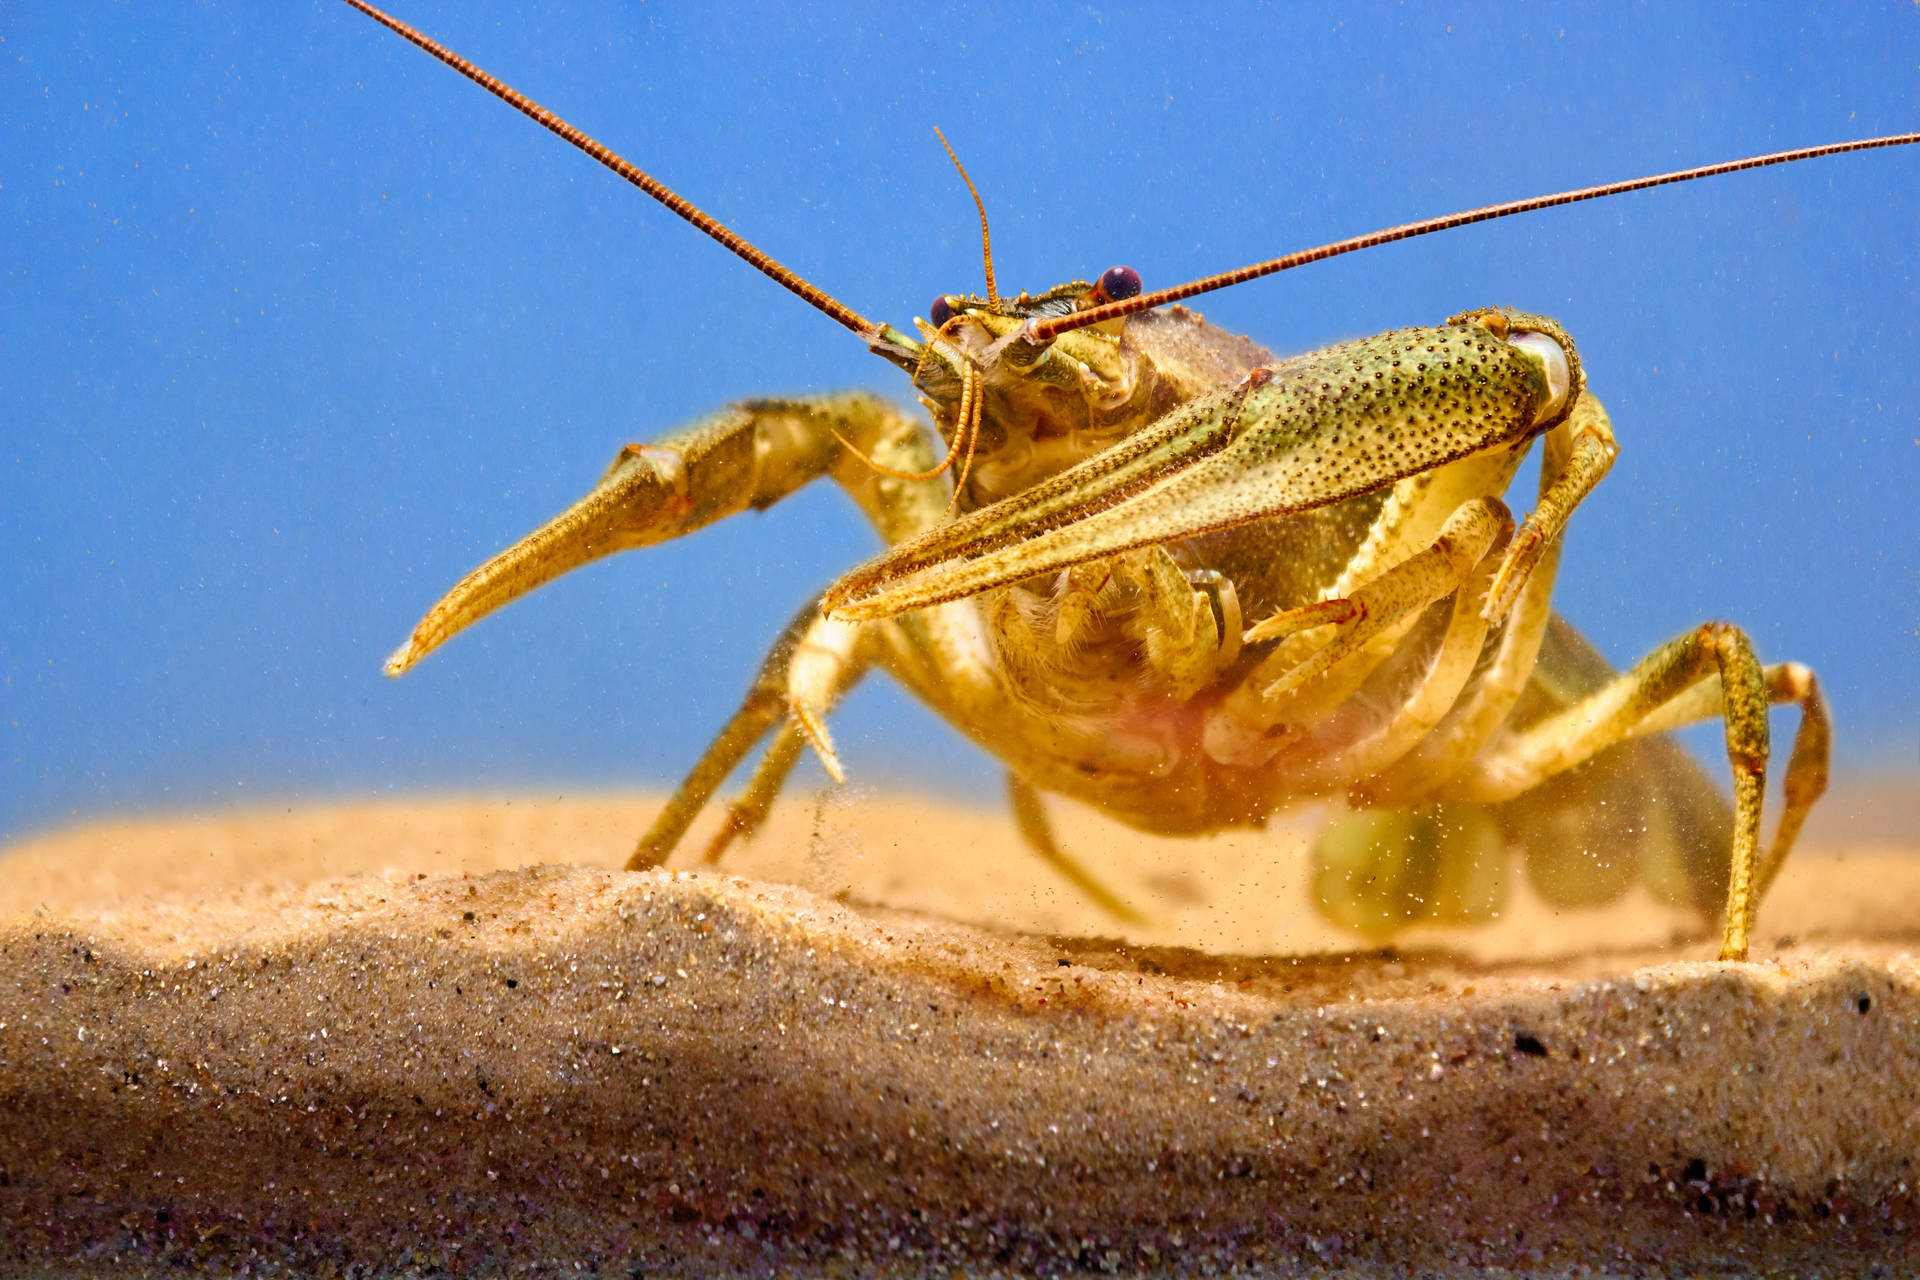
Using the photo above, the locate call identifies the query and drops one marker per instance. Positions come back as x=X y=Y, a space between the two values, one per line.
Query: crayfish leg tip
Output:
x=646 y=858
x=830 y=761
x=1500 y=601
x=829 y=758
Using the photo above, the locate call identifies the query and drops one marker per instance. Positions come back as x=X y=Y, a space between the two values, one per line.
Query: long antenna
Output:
x=790 y=280
x=1045 y=331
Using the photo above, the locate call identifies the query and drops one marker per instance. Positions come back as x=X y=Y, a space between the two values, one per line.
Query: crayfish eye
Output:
x=1117 y=284
x=941 y=311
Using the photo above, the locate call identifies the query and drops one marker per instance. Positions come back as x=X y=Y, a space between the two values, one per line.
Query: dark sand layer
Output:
x=211 y=1056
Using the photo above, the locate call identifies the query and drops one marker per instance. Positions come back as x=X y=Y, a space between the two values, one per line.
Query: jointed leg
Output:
x=1642 y=701
x=1573 y=457
x=1031 y=817
x=744 y=815
x=1287 y=685
x=810 y=667
x=825 y=663
x=814 y=662
x=1399 y=592
x=760 y=712
x=1424 y=705
x=1805 y=780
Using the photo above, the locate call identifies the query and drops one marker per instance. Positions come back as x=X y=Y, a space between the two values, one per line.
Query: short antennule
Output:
x=986 y=241
x=1045 y=331
x=787 y=279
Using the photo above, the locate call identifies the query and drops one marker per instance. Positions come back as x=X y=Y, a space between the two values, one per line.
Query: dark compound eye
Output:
x=1117 y=284
x=941 y=311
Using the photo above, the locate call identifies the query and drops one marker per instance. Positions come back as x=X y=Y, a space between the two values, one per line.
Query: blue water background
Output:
x=297 y=327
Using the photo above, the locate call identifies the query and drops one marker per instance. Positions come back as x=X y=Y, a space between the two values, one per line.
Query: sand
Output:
x=372 y=1040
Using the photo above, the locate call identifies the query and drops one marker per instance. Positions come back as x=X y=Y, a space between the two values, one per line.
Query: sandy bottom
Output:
x=372 y=1040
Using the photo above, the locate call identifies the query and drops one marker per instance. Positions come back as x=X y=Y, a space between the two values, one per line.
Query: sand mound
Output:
x=455 y=1068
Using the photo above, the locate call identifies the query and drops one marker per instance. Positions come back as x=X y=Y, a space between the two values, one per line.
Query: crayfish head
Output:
x=1044 y=407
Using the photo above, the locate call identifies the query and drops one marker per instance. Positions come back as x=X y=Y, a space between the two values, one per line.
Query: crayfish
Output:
x=1154 y=567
